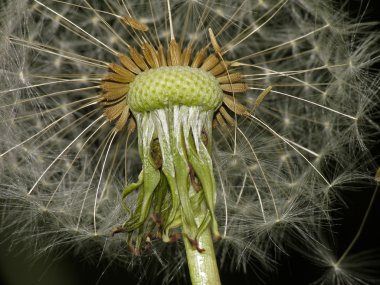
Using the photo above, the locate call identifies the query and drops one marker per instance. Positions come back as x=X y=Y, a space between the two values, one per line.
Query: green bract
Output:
x=176 y=185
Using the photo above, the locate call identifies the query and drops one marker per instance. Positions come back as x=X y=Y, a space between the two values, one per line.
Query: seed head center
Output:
x=174 y=85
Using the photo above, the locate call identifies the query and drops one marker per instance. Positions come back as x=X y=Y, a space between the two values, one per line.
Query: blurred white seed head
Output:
x=279 y=172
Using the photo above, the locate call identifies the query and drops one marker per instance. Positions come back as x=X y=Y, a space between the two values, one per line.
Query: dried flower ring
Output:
x=212 y=72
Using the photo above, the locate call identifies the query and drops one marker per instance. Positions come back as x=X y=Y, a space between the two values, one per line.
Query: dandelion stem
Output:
x=203 y=268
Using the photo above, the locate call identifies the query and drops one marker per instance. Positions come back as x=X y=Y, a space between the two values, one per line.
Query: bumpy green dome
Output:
x=174 y=85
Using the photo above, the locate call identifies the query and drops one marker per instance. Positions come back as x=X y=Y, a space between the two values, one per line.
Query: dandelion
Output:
x=164 y=133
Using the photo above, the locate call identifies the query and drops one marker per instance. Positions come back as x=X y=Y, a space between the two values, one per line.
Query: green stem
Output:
x=203 y=268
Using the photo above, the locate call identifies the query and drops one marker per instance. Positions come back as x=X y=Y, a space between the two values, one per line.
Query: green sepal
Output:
x=183 y=184
x=204 y=225
x=130 y=188
x=175 y=200
x=160 y=195
x=151 y=180
x=202 y=165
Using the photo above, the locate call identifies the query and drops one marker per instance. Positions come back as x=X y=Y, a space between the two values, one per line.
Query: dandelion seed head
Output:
x=150 y=88
x=69 y=145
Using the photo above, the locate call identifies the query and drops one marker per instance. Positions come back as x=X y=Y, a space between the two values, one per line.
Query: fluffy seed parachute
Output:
x=129 y=127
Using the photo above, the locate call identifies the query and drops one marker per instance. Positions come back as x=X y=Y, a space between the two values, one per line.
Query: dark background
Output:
x=17 y=269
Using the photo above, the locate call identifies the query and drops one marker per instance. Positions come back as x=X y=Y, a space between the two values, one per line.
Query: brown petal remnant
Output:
x=214 y=42
x=235 y=87
x=261 y=97
x=134 y=24
x=234 y=106
x=116 y=84
x=129 y=64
